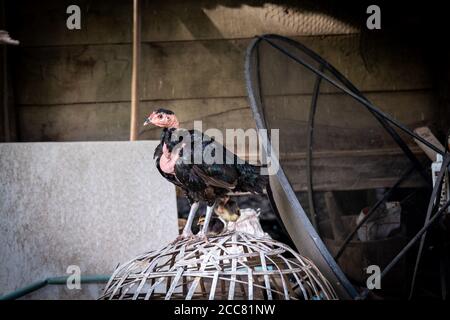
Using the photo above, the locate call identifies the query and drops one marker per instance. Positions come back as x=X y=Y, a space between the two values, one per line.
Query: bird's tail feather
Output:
x=252 y=180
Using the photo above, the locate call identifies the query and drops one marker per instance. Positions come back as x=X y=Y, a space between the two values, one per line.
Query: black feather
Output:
x=165 y=111
x=208 y=181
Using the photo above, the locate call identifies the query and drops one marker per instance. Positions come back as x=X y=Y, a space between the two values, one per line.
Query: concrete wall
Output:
x=91 y=204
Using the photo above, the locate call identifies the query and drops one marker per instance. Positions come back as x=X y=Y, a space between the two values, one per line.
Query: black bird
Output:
x=226 y=210
x=216 y=225
x=181 y=157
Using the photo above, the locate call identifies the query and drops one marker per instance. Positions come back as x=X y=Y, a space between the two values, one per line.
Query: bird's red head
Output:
x=162 y=118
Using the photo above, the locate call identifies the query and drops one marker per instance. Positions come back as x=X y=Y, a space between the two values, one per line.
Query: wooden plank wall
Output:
x=75 y=85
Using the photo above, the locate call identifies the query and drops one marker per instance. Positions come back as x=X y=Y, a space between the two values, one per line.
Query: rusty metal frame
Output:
x=298 y=225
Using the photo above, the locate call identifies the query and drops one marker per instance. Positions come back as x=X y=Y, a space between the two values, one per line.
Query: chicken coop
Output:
x=355 y=116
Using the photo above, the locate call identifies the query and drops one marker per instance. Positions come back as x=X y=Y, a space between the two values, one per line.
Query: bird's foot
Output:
x=201 y=237
x=183 y=236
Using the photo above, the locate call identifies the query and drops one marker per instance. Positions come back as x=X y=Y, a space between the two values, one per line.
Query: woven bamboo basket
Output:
x=235 y=265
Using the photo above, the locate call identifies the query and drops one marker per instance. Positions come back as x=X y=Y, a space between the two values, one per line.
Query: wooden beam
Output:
x=199 y=69
x=135 y=70
x=110 y=120
x=426 y=134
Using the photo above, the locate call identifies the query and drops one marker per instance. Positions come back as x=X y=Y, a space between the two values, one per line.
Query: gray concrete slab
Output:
x=91 y=204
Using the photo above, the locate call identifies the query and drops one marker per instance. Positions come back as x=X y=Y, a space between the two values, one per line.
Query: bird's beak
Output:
x=149 y=119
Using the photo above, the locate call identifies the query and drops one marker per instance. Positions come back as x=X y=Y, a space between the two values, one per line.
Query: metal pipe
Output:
x=434 y=200
x=357 y=97
x=301 y=231
x=351 y=88
x=16 y=294
x=311 y=118
x=408 y=246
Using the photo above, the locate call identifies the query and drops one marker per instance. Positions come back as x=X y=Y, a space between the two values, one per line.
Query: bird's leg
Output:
x=187 y=231
x=202 y=234
x=225 y=224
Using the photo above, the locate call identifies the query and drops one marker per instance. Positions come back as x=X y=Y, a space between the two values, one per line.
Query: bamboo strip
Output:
x=234 y=259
